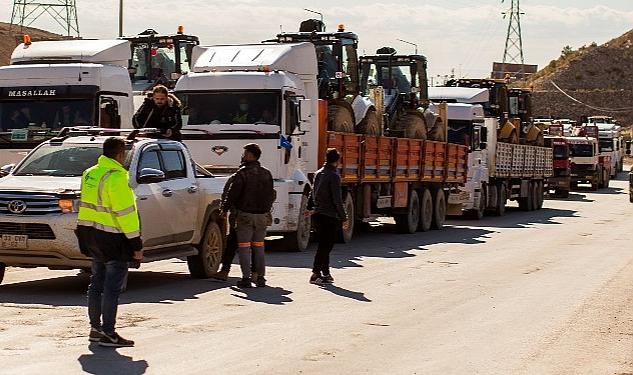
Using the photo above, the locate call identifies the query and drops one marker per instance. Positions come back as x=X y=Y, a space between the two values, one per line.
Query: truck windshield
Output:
x=582 y=150
x=45 y=114
x=59 y=160
x=606 y=145
x=160 y=62
x=378 y=75
x=231 y=108
x=561 y=152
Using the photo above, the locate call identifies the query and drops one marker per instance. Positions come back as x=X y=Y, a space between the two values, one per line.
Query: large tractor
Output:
x=338 y=77
x=399 y=87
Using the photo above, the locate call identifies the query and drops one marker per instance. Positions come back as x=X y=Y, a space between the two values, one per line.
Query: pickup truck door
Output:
x=182 y=184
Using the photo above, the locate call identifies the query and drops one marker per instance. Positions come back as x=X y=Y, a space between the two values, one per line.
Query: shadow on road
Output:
x=107 y=361
x=342 y=292
x=268 y=295
x=573 y=197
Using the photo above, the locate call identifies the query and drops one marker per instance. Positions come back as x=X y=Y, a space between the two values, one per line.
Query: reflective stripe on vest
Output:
x=106 y=228
x=122 y=212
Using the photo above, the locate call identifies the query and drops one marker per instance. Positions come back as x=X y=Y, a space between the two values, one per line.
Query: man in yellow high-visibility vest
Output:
x=108 y=229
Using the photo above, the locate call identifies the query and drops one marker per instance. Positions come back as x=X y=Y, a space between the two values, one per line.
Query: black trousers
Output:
x=327 y=229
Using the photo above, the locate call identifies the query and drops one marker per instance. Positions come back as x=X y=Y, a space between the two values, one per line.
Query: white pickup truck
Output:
x=178 y=203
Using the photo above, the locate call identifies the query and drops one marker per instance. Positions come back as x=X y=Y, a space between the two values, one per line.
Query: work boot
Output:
x=261 y=282
x=221 y=275
x=244 y=283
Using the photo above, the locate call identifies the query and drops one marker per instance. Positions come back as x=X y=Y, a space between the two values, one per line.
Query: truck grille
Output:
x=34 y=231
x=34 y=203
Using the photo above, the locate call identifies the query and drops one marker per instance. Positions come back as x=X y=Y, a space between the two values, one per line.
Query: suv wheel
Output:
x=206 y=263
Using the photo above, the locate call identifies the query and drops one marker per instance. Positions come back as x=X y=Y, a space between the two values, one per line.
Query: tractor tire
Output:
x=340 y=119
x=437 y=132
x=413 y=126
x=408 y=223
x=206 y=263
x=426 y=211
x=370 y=124
x=439 y=209
x=351 y=215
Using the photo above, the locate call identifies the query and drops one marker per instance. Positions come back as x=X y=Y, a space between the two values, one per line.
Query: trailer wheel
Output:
x=3 y=268
x=426 y=211
x=206 y=263
x=492 y=199
x=535 y=198
x=370 y=124
x=340 y=119
x=539 y=194
x=351 y=216
x=408 y=223
x=299 y=240
x=500 y=210
x=478 y=213
x=439 y=211
x=525 y=203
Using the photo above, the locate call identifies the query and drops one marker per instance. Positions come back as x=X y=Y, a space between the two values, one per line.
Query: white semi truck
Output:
x=497 y=171
x=610 y=141
x=55 y=84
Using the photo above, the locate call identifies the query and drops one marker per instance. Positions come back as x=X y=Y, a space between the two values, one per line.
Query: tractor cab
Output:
x=159 y=59
x=338 y=72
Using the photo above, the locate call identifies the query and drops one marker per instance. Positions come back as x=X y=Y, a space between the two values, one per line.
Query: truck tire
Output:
x=299 y=240
x=3 y=268
x=351 y=216
x=630 y=201
x=426 y=211
x=370 y=124
x=408 y=223
x=206 y=263
x=439 y=210
x=535 y=198
x=540 y=195
x=492 y=199
x=500 y=210
x=478 y=213
x=414 y=126
x=525 y=203
x=340 y=119
x=563 y=193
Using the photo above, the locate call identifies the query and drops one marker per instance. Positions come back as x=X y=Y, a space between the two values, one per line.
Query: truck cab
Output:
x=56 y=84
x=610 y=140
x=586 y=164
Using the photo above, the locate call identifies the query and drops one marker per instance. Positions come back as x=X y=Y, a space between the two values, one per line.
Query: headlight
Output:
x=69 y=205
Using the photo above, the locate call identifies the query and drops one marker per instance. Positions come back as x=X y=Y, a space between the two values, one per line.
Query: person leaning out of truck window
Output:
x=161 y=110
x=325 y=204
x=250 y=198
x=108 y=230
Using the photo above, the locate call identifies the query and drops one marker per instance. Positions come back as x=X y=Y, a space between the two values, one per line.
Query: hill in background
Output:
x=601 y=76
x=9 y=39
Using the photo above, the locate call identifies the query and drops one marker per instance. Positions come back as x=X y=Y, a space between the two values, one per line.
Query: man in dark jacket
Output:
x=250 y=198
x=161 y=110
x=326 y=206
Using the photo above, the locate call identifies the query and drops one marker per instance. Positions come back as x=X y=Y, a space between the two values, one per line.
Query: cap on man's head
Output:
x=254 y=149
x=332 y=155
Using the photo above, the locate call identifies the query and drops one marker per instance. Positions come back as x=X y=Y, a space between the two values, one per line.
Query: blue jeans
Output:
x=106 y=282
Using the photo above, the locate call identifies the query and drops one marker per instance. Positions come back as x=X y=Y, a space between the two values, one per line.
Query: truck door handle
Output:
x=167 y=193
x=192 y=189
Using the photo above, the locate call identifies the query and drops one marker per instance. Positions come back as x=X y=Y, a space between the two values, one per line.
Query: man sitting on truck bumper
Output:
x=108 y=229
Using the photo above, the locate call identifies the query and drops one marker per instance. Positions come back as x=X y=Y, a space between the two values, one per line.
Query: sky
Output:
x=464 y=35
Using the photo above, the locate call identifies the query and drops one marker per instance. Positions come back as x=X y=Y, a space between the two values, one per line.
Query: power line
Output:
x=613 y=110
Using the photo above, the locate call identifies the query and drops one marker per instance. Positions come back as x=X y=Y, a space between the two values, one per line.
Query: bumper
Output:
x=559 y=183
x=62 y=251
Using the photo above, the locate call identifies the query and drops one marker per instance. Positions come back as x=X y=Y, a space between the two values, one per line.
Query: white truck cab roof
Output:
x=112 y=52
x=459 y=94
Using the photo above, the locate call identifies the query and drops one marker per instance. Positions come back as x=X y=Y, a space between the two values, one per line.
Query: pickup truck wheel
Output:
x=439 y=210
x=299 y=240
x=426 y=211
x=408 y=223
x=206 y=263
x=3 y=267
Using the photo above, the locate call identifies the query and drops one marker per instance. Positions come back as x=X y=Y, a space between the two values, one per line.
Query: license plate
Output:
x=13 y=241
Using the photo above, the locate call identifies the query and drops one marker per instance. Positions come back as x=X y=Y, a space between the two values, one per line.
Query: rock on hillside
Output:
x=9 y=39
x=601 y=76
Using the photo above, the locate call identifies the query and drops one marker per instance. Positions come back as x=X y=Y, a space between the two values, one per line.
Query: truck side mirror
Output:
x=305 y=114
x=150 y=175
x=6 y=169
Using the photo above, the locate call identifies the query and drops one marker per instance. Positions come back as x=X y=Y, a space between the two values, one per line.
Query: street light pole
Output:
x=120 y=18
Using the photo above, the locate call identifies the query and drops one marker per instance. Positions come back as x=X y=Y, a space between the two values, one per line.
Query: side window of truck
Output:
x=174 y=164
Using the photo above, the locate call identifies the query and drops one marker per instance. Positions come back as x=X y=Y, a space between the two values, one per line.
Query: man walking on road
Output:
x=108 y=230
x=250 y=198
x=326 y=206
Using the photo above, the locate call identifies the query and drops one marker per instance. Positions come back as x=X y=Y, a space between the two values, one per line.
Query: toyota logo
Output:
x=219 y=150
x=16 y=207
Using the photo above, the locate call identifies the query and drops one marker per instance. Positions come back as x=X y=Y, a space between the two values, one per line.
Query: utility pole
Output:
x=120 y=18
x=64 y=12
x=513 y=53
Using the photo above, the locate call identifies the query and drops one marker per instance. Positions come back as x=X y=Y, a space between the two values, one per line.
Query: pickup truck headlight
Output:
x=69 y=205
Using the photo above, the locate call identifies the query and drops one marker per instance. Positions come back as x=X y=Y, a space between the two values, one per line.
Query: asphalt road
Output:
x=545 y=292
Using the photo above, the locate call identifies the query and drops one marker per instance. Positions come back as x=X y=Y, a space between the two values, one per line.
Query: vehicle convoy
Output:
x=610 y=141
x=338 y=81
x=55 y=84
x=498 y=170
x=268 y=93
x=587 y=166
x=559 y=184
x=398 y=86
x=39 y=201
